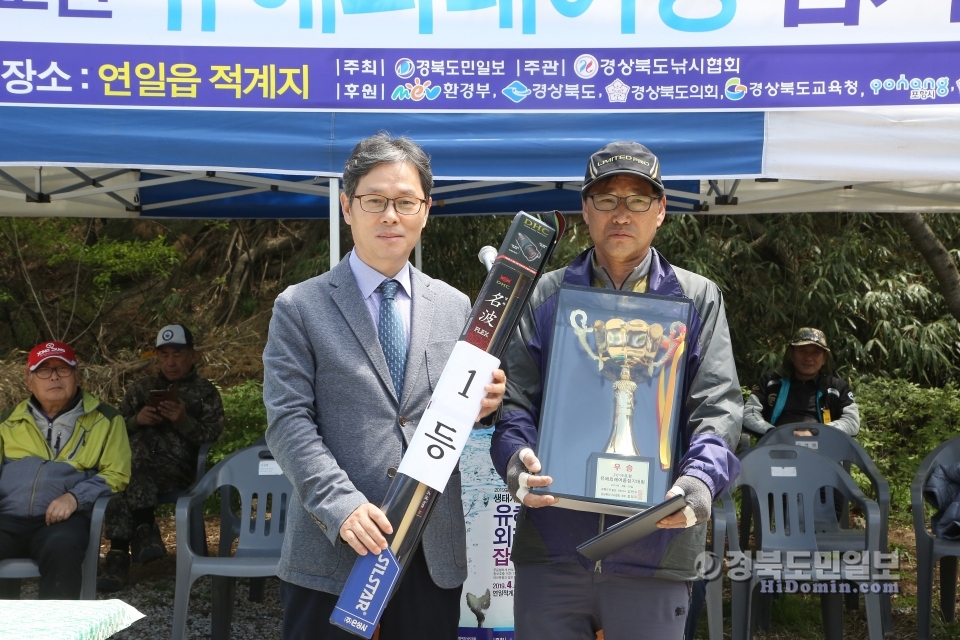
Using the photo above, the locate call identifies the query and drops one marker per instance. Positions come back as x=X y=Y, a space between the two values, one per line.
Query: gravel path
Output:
x=152 y=590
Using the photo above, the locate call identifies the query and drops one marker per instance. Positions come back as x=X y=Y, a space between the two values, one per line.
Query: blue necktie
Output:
x=393 y=339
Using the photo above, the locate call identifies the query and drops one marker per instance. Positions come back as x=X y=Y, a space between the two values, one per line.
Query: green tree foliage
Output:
x=855 y=276
x=901 y=423
x=59 y=276
x=245 y=419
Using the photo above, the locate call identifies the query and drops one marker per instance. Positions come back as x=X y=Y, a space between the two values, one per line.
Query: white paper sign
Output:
x=450 y=416
x=270 y=468
x=783 y=472
x=809 y=444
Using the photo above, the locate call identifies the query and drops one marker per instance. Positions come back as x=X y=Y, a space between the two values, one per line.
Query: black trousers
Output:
x=57 y=548
x=418 y=610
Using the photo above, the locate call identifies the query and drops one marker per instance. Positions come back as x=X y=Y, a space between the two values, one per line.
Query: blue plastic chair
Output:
x=787 y=479
x=930 y=548
x=15 y=569
x=831 y=533
x=261 y=535
x=196 y=515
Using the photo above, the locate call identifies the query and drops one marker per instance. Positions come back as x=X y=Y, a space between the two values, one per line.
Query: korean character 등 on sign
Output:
x=111 y=74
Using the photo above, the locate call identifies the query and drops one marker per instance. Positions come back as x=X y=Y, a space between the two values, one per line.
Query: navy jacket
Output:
x=709 y=424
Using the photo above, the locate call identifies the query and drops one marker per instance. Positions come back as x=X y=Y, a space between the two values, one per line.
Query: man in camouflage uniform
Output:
x=165 y=435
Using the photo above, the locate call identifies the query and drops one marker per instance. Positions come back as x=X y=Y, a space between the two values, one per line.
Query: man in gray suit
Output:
x=351 y=361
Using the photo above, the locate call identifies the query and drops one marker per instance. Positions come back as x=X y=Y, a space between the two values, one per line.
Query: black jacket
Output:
x=835 y=404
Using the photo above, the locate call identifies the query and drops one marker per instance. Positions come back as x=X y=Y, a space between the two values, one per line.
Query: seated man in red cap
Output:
x=61 y=450
x=168 y=415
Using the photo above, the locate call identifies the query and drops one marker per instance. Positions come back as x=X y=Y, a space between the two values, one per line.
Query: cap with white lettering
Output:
x=47 y=350
x=622 y=157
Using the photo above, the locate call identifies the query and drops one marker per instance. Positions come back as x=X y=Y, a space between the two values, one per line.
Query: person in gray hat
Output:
x=168 y=416
x=802 y=390
x=642 y=590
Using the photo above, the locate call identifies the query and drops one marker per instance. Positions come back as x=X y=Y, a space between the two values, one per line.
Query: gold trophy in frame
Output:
x=628 y=352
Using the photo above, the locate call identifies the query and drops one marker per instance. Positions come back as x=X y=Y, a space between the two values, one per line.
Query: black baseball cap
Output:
x=623 y=157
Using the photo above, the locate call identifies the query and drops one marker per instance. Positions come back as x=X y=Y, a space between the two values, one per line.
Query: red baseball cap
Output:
x=47 y=350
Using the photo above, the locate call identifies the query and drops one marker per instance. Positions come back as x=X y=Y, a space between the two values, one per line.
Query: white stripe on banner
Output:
x=899 y=143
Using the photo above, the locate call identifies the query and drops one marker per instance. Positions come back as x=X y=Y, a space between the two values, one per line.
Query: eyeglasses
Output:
x=609 y=202
x=404 y=205
x=45 y=372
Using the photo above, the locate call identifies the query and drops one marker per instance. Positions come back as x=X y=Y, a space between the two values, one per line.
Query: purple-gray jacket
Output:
x=708 y=433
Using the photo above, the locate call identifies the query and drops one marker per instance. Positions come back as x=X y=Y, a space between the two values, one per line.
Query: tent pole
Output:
x=334 y=222
x=418 y=254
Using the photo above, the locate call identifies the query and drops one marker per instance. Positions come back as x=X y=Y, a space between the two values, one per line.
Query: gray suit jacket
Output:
x=335 y=425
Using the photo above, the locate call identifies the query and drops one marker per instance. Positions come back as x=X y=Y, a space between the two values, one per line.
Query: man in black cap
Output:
x=802 y=390
x=168 y=416
x=640 y=591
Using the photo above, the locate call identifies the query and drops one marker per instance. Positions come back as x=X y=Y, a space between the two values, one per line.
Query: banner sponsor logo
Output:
x=586 y=66
x=734 y=90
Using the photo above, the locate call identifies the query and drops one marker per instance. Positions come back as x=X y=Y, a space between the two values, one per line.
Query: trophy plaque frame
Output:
x=611 y=405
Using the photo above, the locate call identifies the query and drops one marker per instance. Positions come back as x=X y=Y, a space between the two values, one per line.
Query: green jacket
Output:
x=94 y=461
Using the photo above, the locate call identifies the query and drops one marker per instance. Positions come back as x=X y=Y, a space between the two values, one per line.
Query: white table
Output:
x=64 y=619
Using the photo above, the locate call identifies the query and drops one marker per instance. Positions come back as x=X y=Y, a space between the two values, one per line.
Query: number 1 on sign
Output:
x=469 y=382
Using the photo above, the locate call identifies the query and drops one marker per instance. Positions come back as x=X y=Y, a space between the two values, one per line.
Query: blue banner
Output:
x=494 y=80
